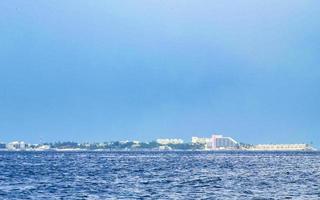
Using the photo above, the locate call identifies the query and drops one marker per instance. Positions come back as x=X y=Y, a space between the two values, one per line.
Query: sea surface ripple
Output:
x=160 y=175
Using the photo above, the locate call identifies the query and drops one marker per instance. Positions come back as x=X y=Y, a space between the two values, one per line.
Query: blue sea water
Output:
x=160 y=175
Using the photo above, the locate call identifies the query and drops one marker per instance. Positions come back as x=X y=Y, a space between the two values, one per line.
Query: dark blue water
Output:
x=156 y=175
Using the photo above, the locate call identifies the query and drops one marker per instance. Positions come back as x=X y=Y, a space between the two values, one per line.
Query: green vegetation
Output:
x=127 y=145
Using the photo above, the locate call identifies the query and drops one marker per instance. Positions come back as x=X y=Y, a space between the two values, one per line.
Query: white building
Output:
x=199 y=140
x=16 y=145
x=169 y=141
x=216 y=142
x=219 y=142
x=281 y=147
x=205 y=142
x=42 y=147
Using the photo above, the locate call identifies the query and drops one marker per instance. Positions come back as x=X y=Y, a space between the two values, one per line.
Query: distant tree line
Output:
x=118 y=145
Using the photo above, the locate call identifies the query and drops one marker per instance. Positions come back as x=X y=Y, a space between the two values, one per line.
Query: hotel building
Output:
x=216 y=142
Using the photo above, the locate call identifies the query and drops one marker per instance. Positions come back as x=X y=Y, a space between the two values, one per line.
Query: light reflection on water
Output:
x=159 y=175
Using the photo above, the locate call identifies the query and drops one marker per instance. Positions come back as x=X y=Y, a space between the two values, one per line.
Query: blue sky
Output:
x=115 y=70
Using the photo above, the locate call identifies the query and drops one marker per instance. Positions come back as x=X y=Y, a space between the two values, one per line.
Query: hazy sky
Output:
x=115 y=70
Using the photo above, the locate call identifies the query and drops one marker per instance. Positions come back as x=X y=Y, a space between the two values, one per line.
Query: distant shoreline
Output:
x=150 y=150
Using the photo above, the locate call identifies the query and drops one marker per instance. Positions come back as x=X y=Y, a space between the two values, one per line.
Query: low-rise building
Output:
x=162 y=148
x=16 y=145
x=280 y=147
x=206 y=143
x=169 y=141
x=42 y=148
x=200 y=140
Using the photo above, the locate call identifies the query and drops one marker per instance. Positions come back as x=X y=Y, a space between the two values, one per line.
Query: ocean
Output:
x=160 y=175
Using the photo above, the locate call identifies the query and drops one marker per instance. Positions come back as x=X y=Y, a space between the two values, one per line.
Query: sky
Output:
x=99 y=70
